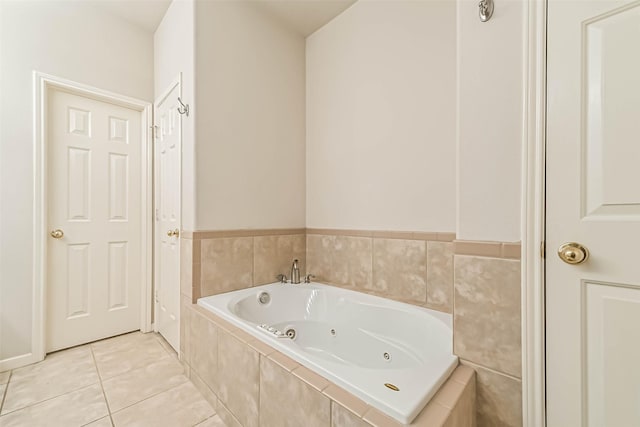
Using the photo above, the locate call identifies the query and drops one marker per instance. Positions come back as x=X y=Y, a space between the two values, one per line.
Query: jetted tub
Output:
x=394 y=356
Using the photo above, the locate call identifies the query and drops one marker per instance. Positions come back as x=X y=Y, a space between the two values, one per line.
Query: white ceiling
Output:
x=143 y=13
x=303 y=16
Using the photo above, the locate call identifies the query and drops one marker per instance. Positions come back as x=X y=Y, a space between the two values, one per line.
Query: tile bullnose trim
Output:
x=245 y=232
x=432 y=236
x=506 y=250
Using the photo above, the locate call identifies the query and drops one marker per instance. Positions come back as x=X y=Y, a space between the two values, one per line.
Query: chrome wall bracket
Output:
x=183 y=109
x=485 y=10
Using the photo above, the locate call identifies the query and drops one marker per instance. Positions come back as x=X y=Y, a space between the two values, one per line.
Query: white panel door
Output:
x=94 y=204
x=167 y=153
x=593 y=198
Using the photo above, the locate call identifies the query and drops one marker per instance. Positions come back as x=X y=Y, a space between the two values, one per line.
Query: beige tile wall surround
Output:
x=417 y=271
x=340 y=260
x=226 y=264
x=479 y=282
x=203 y=359
x=440 y=276
x=400 y=269
x=487 y=319
x=286 y=400
x=280 y=381
x=273 y=255
x=487 y=305
x=499 y=398
x=342 y=417
x=213 y=262
x=238 y=378
x=509 y=250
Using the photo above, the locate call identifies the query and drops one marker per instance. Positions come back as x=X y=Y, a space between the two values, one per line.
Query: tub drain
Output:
x=387 y=357
x=291 y=333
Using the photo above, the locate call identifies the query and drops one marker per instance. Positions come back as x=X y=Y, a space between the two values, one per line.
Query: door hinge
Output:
x=543 y=250
x=154 y=131
x=155 y=296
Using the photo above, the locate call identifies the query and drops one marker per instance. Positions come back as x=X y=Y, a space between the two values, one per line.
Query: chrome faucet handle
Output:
x=308 y=277
x=282 y=278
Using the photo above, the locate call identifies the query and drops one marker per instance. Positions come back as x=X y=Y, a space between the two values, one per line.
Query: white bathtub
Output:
x=358 y=341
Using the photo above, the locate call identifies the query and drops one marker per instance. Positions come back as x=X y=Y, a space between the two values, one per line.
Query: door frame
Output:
x=533 y=216
x=177 y=81
x=41 y=84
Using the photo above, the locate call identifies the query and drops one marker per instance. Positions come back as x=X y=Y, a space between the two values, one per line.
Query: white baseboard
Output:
x=18 y=361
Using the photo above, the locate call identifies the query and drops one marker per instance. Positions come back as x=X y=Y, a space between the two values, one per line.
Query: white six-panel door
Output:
x=94 y=201
x=167 y=148
x=593 y=198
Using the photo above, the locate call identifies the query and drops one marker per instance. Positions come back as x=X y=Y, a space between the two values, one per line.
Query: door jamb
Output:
x=42 y=82
x=533 y=219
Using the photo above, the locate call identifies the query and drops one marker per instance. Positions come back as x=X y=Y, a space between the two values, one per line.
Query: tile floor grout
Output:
x=6 y=389
x=141 y=364
x=104 y=395
x=48 y=399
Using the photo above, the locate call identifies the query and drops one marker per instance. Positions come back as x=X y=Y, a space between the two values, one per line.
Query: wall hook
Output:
x=485 y=10
x=183 y=109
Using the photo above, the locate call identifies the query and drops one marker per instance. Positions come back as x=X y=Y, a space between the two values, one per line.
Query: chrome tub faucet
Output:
x=295 y=273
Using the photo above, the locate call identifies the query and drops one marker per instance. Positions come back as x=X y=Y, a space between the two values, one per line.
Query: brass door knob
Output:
x=573 y=253
x=57 y=233
x=170 y=233
x=175 y=232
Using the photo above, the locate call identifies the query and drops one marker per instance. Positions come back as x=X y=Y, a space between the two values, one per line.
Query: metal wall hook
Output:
x=183 y=109
x=485 y=10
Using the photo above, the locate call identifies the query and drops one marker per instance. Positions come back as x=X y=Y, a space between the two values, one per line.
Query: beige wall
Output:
x=491 y=85
x=173 y=48
x=71 y=40
x=249 y=112
x=381 y=118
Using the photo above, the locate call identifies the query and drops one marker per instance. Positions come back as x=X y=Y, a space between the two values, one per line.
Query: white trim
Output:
x=18 y=361
x=42 y=82
x=533 y=220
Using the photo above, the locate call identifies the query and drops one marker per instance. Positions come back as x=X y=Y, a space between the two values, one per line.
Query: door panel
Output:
x=167 y=148
x=593 y=198
x=612 y=335
x=94 y=197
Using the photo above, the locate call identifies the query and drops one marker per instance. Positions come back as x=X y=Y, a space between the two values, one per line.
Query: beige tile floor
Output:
x=129 y=380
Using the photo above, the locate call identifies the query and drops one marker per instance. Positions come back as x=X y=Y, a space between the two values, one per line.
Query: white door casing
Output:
x=95 y=184
x=42 y=83
x=167 y=147
x=593 y=198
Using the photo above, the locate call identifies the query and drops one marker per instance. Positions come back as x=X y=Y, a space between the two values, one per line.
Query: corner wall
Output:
x=250 y=109
x=173 y=47
x=381 y=118
x=491 y=128
x=69 y=40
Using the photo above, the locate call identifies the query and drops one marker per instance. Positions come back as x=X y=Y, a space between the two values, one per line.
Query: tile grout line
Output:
x=152 y=396
x=50 y=398
x=6 y=390
x=104 y=395
x=486 y=368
